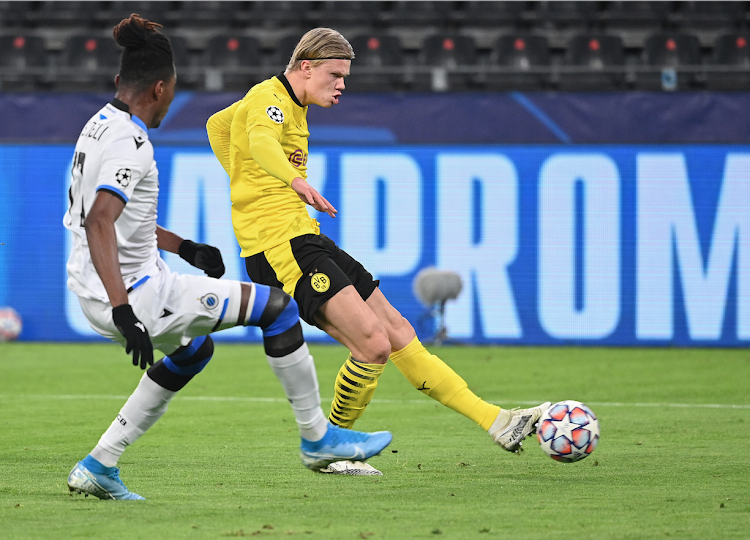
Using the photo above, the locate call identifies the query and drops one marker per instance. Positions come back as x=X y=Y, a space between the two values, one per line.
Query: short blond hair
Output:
x=320 y=44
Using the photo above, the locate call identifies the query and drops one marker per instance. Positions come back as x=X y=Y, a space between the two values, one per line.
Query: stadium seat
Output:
x=375 y=51
x=449 y=51
x=63 y=14
x=407 y=13
x=673 y=51
x=235 y=55
x=597 y=53
x=203 y=14
x=283 y=51
x=189 y=74
x=713 y=14
x=634 y=15
x=524 y=53
x=560 y=13
x=17 y=54
x=117 y=10
x=335 y=13
x=489 y=13
x=732 y=51
x=282 y=13
x=95 y=59
x=14 y=13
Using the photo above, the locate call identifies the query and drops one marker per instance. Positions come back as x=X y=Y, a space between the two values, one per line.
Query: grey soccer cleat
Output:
x=510 y=433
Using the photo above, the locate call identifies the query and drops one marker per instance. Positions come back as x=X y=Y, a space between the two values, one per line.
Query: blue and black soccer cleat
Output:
x=340 y=444
x=92 y=478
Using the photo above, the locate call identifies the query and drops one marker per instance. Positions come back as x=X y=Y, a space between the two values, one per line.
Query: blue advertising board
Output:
x=555 y=244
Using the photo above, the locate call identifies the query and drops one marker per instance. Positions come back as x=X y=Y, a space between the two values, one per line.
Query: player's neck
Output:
x=298 y=83
x=136 y=106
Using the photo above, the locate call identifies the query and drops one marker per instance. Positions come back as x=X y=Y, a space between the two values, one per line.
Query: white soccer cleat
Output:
x=352 y=468
x=510 y=433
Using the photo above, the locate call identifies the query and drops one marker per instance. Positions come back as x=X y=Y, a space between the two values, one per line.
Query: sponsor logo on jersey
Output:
x=123 y=177
x=210 y=301
x=275 y=114
x=298 y=158
x=320 y=282
x=138 y=142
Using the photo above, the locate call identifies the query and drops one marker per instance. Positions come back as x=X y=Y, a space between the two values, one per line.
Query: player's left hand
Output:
x=207 y=258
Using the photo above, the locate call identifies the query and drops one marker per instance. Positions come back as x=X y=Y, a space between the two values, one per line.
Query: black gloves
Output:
x=203 y=256
x=135 y=334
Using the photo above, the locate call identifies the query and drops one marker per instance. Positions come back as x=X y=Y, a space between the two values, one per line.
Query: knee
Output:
x=192 y=359
x=378 y=347
x=280 y=313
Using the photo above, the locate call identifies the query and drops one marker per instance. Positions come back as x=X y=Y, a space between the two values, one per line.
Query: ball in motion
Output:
x=10 y=324
x=568 y=431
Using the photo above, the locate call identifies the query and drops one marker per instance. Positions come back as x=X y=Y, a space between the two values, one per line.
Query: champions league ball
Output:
x=568 y=431
x=10 y=324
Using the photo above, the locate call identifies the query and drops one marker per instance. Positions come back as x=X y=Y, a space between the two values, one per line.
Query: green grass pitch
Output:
x=223 y=462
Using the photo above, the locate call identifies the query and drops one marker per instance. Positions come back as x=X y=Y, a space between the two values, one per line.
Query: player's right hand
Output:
x=310 y=196
x=136 y=335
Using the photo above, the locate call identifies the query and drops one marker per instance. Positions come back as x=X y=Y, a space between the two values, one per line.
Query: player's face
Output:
x=165 y=100
x=327 y=82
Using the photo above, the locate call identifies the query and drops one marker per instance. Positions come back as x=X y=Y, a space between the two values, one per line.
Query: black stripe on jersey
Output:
x=288 y=87
x=103 y=188
x=117 y=104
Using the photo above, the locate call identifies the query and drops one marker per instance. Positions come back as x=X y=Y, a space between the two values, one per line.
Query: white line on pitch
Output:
x=384 y=401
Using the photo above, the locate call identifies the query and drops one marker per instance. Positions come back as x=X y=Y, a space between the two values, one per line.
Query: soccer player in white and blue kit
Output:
x=129 y=295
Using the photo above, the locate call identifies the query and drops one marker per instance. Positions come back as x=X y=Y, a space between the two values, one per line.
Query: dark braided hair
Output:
x=147 y=56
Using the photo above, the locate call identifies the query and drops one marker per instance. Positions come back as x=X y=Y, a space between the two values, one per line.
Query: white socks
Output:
x=296 y=372
x=144 y=407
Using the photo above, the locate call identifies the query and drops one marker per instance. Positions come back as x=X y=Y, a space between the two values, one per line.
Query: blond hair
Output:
x=318 y=45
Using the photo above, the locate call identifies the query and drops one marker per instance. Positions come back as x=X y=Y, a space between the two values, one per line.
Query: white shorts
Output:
x=175 y=308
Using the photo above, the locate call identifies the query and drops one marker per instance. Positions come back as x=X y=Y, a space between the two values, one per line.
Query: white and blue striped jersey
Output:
x=113 y=154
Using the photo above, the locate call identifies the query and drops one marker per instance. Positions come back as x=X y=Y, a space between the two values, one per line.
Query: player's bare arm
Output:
x=102 y=240
x=202 y=256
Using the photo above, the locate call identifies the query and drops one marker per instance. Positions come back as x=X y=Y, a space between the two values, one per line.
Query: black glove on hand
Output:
x=135 y=334
x=203 y=256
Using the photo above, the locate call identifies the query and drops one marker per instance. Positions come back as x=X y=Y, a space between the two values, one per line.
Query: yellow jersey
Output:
x=268 y=125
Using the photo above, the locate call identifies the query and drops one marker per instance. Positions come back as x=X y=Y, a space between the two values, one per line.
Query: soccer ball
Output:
x=568 y=431
x=10 y=324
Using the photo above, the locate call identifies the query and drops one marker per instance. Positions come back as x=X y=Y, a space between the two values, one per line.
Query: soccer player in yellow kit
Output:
x=261 y=141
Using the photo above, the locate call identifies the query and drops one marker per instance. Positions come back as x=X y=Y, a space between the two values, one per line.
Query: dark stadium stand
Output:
x=379 y=53
x=400 y=45
x=23 y=60
x=232 y=58
x=454 y=58
x=601 y=59
x=90 y=57
x=673 y=51
x=731 y=51
x=525 y=60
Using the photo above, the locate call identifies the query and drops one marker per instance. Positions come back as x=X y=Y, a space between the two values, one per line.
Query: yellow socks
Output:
x=429 y=374
x=355 y=385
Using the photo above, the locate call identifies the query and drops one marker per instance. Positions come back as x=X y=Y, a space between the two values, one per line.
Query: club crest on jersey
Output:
x=320 y=282
x=210 y=301
x=275 y=114
x=123 y=177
